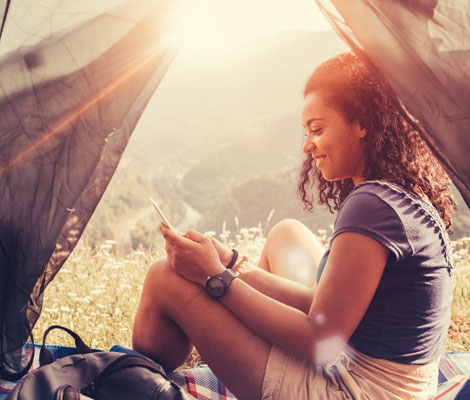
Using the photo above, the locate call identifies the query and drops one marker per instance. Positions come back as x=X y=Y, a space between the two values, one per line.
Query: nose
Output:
x=309 y=145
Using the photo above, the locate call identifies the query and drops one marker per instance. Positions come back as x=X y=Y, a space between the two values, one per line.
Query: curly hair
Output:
x=394 y=150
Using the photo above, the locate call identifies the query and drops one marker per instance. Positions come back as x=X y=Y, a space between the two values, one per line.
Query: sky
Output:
x=245 y=17
x=210 y=25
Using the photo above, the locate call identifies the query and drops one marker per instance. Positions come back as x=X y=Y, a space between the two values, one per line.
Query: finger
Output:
x=172 y=237
x=175 y=248
x=195 y=236
x=219 y=245
x=214 y=241
x=164 y=228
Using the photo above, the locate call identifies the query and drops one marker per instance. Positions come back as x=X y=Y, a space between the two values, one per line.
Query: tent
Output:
x=423 y=49
x=69 y=107
x=75 y=79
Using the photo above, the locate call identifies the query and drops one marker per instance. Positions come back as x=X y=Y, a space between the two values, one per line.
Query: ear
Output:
x=363 y=133
x=360 y=131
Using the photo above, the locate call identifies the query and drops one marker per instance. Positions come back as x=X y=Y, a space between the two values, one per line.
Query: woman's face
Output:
x=335 y=144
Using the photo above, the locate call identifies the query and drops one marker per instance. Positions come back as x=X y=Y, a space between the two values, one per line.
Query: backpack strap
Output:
x=125 y=361
x=45 y=356
x=67 y=392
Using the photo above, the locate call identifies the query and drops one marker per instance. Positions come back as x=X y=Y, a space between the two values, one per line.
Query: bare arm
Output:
x=288 y=292
x=281 y=289
x=349 y=281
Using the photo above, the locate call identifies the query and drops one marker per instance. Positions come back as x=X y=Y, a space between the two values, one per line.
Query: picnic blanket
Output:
x=454 y=371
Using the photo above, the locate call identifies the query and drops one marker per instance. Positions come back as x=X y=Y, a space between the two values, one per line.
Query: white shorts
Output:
x=353 y=375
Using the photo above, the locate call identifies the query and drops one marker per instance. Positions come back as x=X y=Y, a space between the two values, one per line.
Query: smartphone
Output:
x=160 y=213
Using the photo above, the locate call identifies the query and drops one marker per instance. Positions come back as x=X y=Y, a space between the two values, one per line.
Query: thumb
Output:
x=214 y=240
x=194 y=236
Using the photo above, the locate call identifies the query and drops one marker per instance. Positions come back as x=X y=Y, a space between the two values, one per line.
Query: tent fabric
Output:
x=4 y=5
x=422 y=47
x=71 y=92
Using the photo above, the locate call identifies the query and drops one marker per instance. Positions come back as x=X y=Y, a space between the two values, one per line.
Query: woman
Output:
x=374 y=323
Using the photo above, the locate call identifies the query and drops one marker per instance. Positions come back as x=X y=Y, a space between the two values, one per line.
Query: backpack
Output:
x=96 y=375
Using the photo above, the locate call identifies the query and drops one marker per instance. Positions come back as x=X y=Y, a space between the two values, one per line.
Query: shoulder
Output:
x=368 y=194
x=398 y=218
x=377 y=210
x=372 y=202
x=390 y=197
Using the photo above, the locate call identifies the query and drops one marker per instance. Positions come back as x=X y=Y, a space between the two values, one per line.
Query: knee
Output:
x=287 y=229
x=157 y=280
x=288 y=224
x=293 y=251
x=157 y=270
x=165 y=287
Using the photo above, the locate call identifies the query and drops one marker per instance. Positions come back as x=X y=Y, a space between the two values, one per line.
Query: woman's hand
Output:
x=225 y=254
x=191 y=255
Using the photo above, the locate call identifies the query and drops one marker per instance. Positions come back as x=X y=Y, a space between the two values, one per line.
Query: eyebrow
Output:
x=312 y=120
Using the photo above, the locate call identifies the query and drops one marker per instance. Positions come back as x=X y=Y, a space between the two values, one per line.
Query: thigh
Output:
x=292 y=251
x=235 y=353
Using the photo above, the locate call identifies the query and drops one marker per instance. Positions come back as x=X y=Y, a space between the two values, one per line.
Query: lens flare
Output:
x=299 y=265
x=325 y=351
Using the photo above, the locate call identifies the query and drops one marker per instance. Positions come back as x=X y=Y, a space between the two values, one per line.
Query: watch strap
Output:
x=226 y=277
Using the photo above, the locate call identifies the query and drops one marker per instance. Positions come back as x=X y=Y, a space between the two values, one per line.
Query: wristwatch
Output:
x=217 y=285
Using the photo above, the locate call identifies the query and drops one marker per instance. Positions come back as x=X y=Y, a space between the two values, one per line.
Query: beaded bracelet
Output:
x=238 y=269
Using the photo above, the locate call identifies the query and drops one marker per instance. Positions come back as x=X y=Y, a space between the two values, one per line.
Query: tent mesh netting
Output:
x=73 y=85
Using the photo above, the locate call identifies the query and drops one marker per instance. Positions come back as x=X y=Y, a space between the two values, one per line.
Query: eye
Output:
x=314 y=131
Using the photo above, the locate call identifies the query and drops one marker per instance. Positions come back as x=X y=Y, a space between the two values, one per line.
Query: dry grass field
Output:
x=96 y=293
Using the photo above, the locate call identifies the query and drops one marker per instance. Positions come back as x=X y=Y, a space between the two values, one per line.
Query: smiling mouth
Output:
x=318 y=159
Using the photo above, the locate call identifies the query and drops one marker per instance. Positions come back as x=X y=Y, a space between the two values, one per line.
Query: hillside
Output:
x=218 y=141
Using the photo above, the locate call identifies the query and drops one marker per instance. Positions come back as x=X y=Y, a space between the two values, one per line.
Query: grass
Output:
x=96 y=293
x=458 y=338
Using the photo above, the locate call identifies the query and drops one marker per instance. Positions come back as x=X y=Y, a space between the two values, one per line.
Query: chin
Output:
x=329 y=178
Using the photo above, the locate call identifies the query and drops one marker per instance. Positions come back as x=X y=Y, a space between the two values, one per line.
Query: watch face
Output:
x=215 y=287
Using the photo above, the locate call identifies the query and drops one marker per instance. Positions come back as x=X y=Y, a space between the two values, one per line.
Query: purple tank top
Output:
x=408 y=318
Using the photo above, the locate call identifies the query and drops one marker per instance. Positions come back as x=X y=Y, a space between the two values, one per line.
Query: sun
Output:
x=208 y=28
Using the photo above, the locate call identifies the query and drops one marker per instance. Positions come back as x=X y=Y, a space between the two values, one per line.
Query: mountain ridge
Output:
x=218 y=142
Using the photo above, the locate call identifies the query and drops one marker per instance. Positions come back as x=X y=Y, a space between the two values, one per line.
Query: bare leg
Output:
x=173 y=313
x=292 y=251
